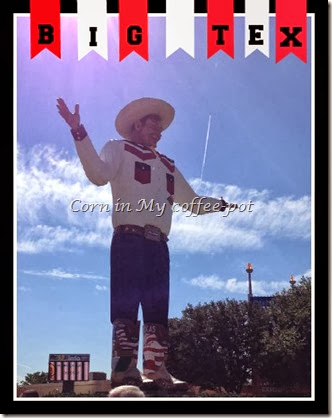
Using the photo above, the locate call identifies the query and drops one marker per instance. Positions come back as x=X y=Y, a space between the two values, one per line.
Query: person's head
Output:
x=143 y=120
x=29 y=393
x=126 y=391
x=147 y=131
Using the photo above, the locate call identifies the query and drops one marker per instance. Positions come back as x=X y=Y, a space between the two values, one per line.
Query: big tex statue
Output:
x=137 y=172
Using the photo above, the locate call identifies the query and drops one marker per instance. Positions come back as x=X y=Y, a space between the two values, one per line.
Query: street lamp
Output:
x=292 y=281
x=252 y=369
x=249 y=270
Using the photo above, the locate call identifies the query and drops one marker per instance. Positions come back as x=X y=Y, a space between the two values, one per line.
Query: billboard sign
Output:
x=71 y=367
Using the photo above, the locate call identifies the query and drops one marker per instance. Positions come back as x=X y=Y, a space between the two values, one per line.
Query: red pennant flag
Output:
x=45 y=26
x=291 y=29
x=133 y=28
x=220 y=27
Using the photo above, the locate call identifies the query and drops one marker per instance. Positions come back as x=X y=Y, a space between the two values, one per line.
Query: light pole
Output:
x=252 y=369
x=292 y=281
x=249 y=270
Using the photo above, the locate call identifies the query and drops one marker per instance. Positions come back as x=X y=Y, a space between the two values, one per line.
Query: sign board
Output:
x=63 y=367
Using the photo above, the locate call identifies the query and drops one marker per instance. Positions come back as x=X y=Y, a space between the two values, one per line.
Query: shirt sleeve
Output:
x=99 y=169
x=186 y=197
x=111 y=155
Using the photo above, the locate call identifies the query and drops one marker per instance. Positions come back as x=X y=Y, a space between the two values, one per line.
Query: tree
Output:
x=222 y=343
x=33 y=378
x=286 y=358
x=210 y=344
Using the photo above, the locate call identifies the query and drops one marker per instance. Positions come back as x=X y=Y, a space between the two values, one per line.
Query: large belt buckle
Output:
x=152 y=232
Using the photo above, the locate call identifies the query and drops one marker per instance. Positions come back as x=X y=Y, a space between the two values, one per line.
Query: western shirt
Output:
x=146 y=185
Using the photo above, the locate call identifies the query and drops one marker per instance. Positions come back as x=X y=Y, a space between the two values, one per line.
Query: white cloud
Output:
x=233 y=285
x=207 y=282
x=229 y=192
x=211 y=233
x=298 y=277
x=48 y=181
x=236 y=286
x=45 y=238
x=58 y=273
x=101 y=288
x=283 y=217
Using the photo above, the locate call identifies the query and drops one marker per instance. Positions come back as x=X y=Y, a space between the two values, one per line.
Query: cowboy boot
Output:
x=154 y=358
x=124 y=353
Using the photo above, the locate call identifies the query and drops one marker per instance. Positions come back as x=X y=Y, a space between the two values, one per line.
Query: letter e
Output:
x=255 y=35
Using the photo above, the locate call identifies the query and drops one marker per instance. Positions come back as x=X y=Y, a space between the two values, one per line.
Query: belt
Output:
x=148 y=231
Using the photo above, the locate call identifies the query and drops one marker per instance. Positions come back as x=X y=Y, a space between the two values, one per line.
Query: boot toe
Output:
x=131 y=377
x=164 y=384
x=180 y=384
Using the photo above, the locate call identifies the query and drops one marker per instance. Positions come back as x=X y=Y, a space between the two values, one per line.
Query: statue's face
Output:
x=147 y=131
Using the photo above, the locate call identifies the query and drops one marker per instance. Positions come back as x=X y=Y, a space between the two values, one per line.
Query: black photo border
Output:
x=320 y=404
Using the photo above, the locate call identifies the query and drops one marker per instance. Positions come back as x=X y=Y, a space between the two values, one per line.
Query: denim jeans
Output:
x=139 y=275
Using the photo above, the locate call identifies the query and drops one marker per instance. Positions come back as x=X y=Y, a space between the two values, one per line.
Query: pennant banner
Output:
x=45 y=26
x=291 y=29
x=133 y=28
x=92 y=27
x=220 y=27
x=180 y=26
x=257 y=27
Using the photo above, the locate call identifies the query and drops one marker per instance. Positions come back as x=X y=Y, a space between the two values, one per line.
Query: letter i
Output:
x=93 y=36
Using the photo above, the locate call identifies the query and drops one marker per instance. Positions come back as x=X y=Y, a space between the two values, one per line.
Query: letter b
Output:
x=46 y=34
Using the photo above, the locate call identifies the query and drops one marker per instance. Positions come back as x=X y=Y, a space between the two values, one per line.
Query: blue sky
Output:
x=259 y=150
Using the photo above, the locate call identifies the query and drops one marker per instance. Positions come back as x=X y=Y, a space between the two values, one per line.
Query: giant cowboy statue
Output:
x=137 y=172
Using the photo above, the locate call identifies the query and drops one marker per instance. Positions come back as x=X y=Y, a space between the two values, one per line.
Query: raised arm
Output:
x=72 y=119
x=186 y=197
x=98 y=171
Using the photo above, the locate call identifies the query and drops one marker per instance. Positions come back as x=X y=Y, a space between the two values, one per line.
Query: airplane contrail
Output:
x=206 y=145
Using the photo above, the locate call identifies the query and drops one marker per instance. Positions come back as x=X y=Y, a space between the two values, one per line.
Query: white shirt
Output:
x=145 y=184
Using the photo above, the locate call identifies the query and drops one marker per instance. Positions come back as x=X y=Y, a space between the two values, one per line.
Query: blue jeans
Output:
x=139 y=275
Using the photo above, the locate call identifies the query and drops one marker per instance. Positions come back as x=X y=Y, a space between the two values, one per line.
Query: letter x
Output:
x=291 y=36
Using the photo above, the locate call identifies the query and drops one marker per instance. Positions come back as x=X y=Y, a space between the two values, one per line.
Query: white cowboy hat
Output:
x=139 y=108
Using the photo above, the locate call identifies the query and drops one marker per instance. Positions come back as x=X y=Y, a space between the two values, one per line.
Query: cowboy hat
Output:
x=139 y=108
